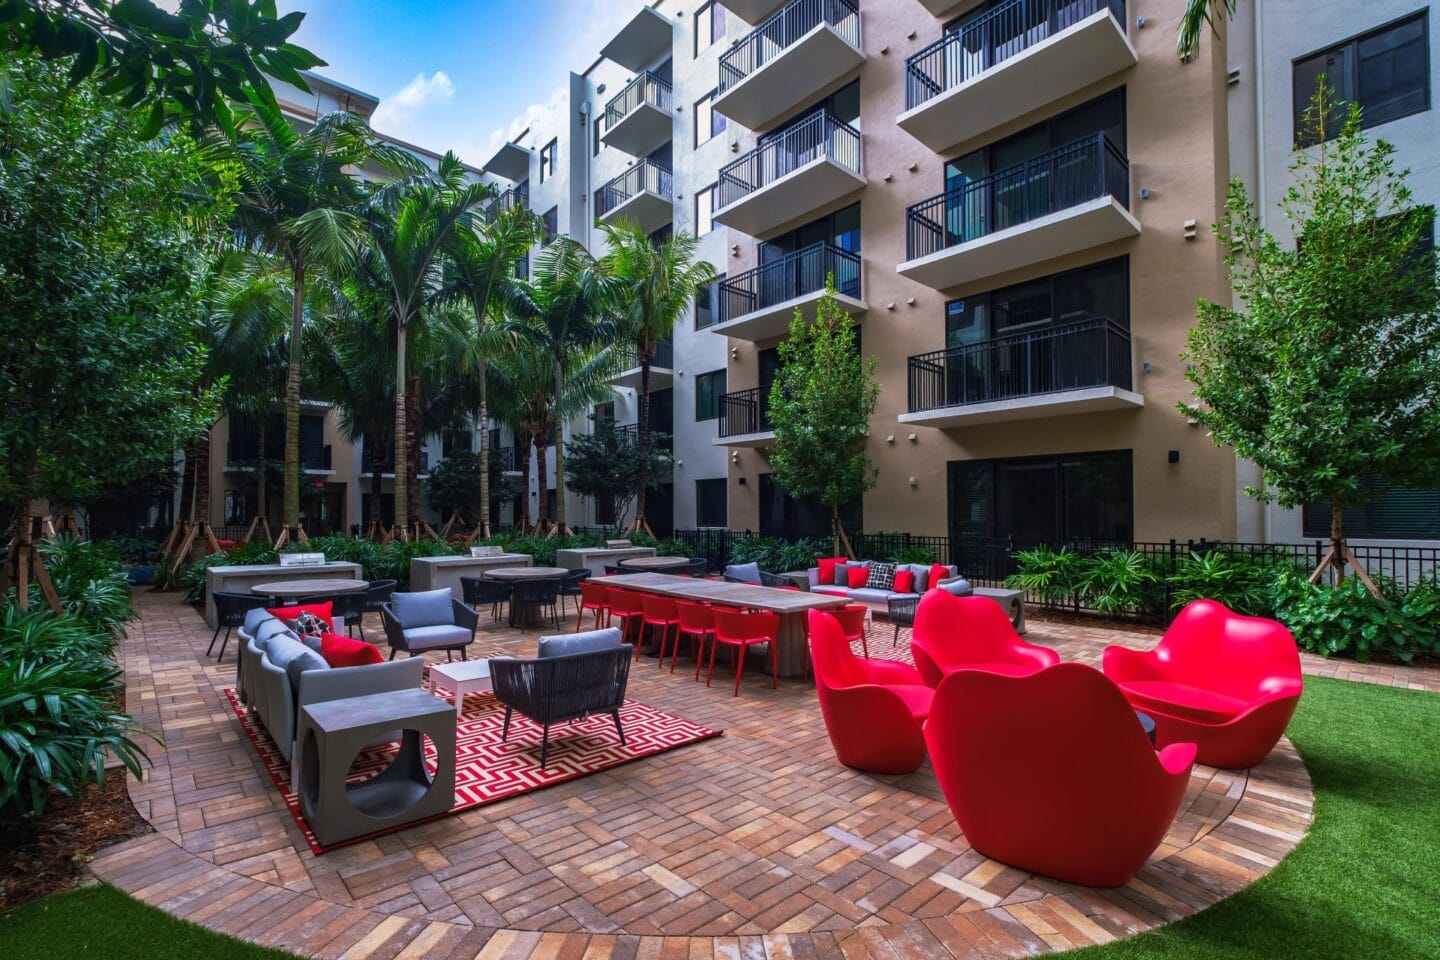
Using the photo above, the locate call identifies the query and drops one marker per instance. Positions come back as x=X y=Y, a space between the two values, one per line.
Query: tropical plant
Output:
x=1199 y=14
x=1048 y=576
x=1324 y=374
x=609 y=466
x=1121 y=582
x=455 y=487
x=820 y=406
x=1242 y=583
x=1346 y=619
x=90 y=580
x=775 y=554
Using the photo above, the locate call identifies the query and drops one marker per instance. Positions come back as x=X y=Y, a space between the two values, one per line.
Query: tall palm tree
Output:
x=296 y=190
x=1197 y=15
x=568 y=301
x=658 y=283
x=481 y=272
x=410 y=225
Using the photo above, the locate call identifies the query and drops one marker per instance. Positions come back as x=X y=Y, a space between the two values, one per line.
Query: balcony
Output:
x=745 y=419
x=511 y=162
x=788 y=60
x=1016 y=59
x=758 y=304
x=1079 y=367
x=753 y=11
x=1072 y=198
x=813 y=163
x=243 y=451
x=940 y=8
x=662 y=369
x=638 y=118
x=645 y=38
x=506 y=201
x=643 y=194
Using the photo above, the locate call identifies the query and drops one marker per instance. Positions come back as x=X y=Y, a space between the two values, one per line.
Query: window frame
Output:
x=710 y=377
x=549 y=157
x=551 y=231
x=714 y=115
x=712 y=191
x=1351 y=46
x=713 y=9
x=713 y=483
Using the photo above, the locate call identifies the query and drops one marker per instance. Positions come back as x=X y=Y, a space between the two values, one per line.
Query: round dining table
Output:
x=511 y=574
x=294 y=589
x=653 y=563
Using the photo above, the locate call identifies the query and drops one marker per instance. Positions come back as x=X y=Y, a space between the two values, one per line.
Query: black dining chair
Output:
x=539 y=594
x=230 y=610
x=570 y=586
x=480 y=591
x=611 y=570
x=774 y=580
x=351 y=608
x=697 y=568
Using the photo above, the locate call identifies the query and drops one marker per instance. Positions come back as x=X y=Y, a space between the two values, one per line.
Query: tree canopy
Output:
x=607 y=466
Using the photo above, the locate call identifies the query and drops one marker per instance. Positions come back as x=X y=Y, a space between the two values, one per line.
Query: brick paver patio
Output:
x=757 y=843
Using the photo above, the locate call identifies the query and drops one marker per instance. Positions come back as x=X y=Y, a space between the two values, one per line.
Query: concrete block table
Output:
x=432 y=573
x=595 y=559
x=1011 y=601
x=240 y=578
x=332 y=733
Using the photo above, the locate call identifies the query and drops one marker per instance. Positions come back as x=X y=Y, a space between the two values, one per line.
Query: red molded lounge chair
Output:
x=1225 y=682
x=958 y=633
x=873 y=709
x=1052 y=772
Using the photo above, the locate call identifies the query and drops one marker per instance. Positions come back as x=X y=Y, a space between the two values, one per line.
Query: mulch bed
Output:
x=50 y=854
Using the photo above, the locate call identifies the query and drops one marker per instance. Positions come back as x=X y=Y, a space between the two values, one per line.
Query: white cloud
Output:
x=401 y=113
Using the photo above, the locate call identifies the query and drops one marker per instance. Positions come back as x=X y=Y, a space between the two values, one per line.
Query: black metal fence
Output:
x=1083 y=170
x=745 y=411
x=794 y=275
x=990 y=40
x=646 y=88
x=793 y=21
x=645 y=176
x=818 y=135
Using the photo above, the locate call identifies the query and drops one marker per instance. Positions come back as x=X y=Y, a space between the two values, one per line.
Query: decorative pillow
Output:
x=746 y=572
x=922 y=576
x=858 y=576
x=587 y=642
x=255 y=617
x=325 y=611
x=882 y=576
x=904 y=581
x=293 y=657
x=938 y=572
x=271 y=628
x=307 y=623
x=842 y=575
x=342 y=651
x=827 y=568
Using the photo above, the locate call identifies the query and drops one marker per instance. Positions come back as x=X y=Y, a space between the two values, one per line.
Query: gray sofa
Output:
x=275 y=680
x=880 y=598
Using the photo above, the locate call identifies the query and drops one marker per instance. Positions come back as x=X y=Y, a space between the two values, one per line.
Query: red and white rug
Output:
x=488 y=770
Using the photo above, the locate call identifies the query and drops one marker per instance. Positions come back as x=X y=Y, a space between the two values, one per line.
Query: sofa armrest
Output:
x=277 y=705
x=465 y=616
x=394 y=632
x=342 y=683
x=512 y=680
x=1177 y=759
x=957 y=585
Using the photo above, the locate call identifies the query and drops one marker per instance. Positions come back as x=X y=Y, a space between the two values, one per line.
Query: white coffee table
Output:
x=461 y=677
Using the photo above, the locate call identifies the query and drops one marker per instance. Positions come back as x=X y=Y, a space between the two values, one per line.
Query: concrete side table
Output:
x=1011 y=601
x=332 y=733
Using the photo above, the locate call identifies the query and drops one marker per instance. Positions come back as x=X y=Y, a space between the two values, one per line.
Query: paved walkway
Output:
x=755 y=843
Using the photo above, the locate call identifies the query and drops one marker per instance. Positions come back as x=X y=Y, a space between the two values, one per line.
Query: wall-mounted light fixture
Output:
x=913 y=437
x=890 y=439
x=1174 y=456
x=1146 y=367
x=914 y=481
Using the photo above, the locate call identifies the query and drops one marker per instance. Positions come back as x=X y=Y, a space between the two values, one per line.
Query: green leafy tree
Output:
x=1197 y=15
x=820 y=406
x=1325 y=371
x=608 y=466
x=454 y=485
x=104 y=237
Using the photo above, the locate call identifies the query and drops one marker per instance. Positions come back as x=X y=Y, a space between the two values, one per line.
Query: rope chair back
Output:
x=479 y=592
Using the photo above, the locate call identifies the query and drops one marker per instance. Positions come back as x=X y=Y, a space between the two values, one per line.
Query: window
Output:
x=237 y=508
x=662 y=236
x=605 y=412
x=595 y=142
x=709 y=388
x=522 y=193
x=781 y=515
x=457 y=441
x=548 y=154
x=710 y=507
x=1085 y=497
x=551 y=222
x=708 y=121
x=1386 y=71
x=1097 y=290
x=522 y=267
x=709 y=25
x=1390 y=512
x=1105 y=114
x=707 y=303
x=704 y=210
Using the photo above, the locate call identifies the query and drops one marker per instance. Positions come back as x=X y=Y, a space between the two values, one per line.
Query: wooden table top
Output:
x=307 y=588
x=718 y=591
x=524 y=573
x=652 y=563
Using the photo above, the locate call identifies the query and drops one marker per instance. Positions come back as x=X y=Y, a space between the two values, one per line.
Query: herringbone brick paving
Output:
x=754 y=844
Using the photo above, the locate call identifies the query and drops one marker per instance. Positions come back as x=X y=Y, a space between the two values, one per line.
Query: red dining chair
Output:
x=658 y=612
x=743 y=631
x=854 y=618
x=697 y=621
x=628 y=606
x=596 y=597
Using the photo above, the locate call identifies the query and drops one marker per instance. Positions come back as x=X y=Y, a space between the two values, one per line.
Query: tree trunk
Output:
x=484 y=524
x=1337 y=539
x=202 y=485
x=290 y=511
x=187 y=484
x=412 y=442
x=642 y=435
x=402 y=504
x=20 y=551
x=262 y=467
x=376 y=523
x=542 y=506
x=559 y=448
x=522 y=497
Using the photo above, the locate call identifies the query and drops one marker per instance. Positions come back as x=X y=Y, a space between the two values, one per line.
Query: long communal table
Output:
x=792 y=605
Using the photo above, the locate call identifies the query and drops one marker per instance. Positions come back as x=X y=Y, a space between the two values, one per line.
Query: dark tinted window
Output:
x=709 y=388
x=1387 y=71
x=1083 y=497
x=1097 y=290
x=710 y=507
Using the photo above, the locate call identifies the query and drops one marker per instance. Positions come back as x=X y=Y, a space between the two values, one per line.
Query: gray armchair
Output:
x=428 y=620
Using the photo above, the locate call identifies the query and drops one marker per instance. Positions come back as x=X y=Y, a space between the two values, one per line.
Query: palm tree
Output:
x=296 y=191
x=1198 y=14
x=411 y=224
x=657 y=287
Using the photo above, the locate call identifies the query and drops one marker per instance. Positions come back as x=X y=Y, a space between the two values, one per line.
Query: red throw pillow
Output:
x=342 y=651
x=827 y=568
x=904 y=581
x=325 y=611
x=938 y=572
x=857 y=575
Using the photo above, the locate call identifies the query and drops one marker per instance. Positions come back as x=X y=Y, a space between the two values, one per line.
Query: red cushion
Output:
x=938 y=572
x=342 y=651
x=904 y=581
x=325 y=611
x=1178 y=699
x=917 y=698
x=827 y=568
x=857 y=575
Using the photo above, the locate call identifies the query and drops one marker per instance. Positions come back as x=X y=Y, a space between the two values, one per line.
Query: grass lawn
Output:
x=1365 y=882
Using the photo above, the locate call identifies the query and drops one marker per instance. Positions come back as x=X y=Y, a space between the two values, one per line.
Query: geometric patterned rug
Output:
x=488 y=770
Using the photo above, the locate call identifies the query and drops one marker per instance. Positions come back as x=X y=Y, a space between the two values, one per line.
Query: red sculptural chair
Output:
x=1225 y=682
x=1052 y=772
x=874 y=709
x=970 y=633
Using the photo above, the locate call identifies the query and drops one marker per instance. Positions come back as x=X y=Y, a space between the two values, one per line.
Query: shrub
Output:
x=1346 y=620
x=1121 y=582
x=90 y=579
x=671 y=547
x=1048 y=576
x=774 y=554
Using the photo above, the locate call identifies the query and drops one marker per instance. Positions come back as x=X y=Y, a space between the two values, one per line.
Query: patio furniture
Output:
x=612 y=570
x=230 y=610
x=658 y=612
x=467 y=676
x=777 y=581
x=529 y=599
x=377 y=593
x=480 y=592
x=593 y=596
x=970 y=633
x=1011 y=601
x=900 y=611
x=573 y=676
x=430 y=620
x=642 y=564
x=741 y=631
x=1050 y=772
x=349 y=609
x=697 y=621
x=1226 y=682
x=923 y=577
x=697 y=567
x=852 y=619
x=628 y=605
x=873 y=709
x=282 y=591
x=570 y=587
x=330 y=736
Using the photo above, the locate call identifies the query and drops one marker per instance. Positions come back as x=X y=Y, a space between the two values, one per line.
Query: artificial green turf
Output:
x=1365 y=882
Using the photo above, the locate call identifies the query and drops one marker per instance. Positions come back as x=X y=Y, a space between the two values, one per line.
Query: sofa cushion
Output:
x=870 y=595
x=827 y=568
x=813 y=575
x=1182 y=700
x=938 y=572
x=271 y=628
x=427 y=608
x=904 y=581
x=831 y=590
x=882 y=576
x=288 y=654
x=922 y=576
x=342 y=651
x=749 y=572
x=255 y=617
x=437 y=636
x=321 y=610
x=565 y=644
x=857 y=576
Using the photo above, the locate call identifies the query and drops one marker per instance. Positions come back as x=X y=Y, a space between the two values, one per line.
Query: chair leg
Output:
x=700 y=656
x=392 y=653
x=618 y=729
x=505 y=727
x=709 y=674
x=224 y=641
x=213 y=637
x=864 y=643
x=449 y=656
x=463 y=655
x=774 y=665
x=895 y=640
x=739 y=668
x=544 y=745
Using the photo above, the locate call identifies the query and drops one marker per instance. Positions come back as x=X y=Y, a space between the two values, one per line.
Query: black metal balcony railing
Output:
x=509 y=199
x=745 y=411
x=794 y=275
x=389 y=465
x=1089 y=353
x=988 y=41
x=646 y=88
x=789 y=24
x=1084 y=170
x=243 y=451
x=644 y=176
x=818 y=135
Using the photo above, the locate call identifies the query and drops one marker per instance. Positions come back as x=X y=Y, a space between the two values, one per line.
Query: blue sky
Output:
x=452 y=74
